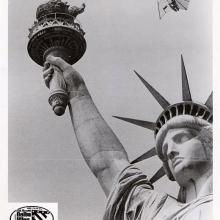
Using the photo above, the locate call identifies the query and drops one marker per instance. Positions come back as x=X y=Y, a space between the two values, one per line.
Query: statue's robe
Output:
x=133 y=197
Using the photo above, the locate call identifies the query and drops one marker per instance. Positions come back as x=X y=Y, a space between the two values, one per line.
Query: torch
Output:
x=57 y=32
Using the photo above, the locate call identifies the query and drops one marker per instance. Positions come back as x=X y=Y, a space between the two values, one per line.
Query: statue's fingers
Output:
x=57 y=61
x=47 y=80
x=48 y=72
x=46 y=65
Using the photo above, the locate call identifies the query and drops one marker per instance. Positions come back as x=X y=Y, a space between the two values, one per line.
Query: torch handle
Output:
x=58 y=98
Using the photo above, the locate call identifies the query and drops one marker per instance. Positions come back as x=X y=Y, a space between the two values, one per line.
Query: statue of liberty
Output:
x=183 y=142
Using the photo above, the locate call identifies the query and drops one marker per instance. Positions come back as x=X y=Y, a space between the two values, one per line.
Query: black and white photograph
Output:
x=110 y=109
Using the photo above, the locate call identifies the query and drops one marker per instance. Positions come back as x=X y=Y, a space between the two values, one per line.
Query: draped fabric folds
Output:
x=134 y=198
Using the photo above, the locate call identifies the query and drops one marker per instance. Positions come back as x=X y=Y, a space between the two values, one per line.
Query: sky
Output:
x=45 y=164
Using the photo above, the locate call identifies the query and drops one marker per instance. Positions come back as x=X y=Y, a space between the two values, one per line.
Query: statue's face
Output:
x=187 y=157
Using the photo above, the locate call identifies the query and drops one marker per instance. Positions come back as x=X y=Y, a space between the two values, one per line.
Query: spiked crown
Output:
x=185 y=107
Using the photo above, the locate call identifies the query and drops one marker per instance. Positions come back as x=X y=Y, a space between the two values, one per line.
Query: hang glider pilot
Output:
x=165 y=6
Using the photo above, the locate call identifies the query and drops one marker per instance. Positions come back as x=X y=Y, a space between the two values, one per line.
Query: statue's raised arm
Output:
x=99 y=146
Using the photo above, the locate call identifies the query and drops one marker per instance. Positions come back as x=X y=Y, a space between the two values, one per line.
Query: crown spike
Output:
x=160 y=173
x=145 y=124
x=185 y=85
x=152 y=152
x=160 y=99
x=209 y=102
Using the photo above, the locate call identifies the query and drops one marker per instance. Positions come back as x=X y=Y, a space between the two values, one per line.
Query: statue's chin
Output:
x=189 y=170
x=182 y=172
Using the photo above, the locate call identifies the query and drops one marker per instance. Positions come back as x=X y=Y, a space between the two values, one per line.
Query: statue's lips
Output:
x=176 y=160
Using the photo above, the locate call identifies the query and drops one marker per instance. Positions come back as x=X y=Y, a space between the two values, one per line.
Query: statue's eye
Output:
x=184 y=138
x=181 y=138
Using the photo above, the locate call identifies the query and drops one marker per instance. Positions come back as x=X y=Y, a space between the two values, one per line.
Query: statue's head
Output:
x=184 y=144
x=183 y=133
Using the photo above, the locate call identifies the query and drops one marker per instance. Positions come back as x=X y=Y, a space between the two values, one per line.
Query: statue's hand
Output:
x=75 y=84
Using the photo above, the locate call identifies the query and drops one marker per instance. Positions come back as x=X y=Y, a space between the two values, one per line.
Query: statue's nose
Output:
x=172 y=150
x=172 y=154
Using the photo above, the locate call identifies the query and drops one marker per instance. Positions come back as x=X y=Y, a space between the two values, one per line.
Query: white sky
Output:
x=45 y=164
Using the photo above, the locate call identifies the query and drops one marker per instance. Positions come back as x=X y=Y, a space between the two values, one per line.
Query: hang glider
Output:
x=165 y=6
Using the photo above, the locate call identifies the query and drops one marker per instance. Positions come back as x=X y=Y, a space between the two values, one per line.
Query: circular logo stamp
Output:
x=31 y=213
